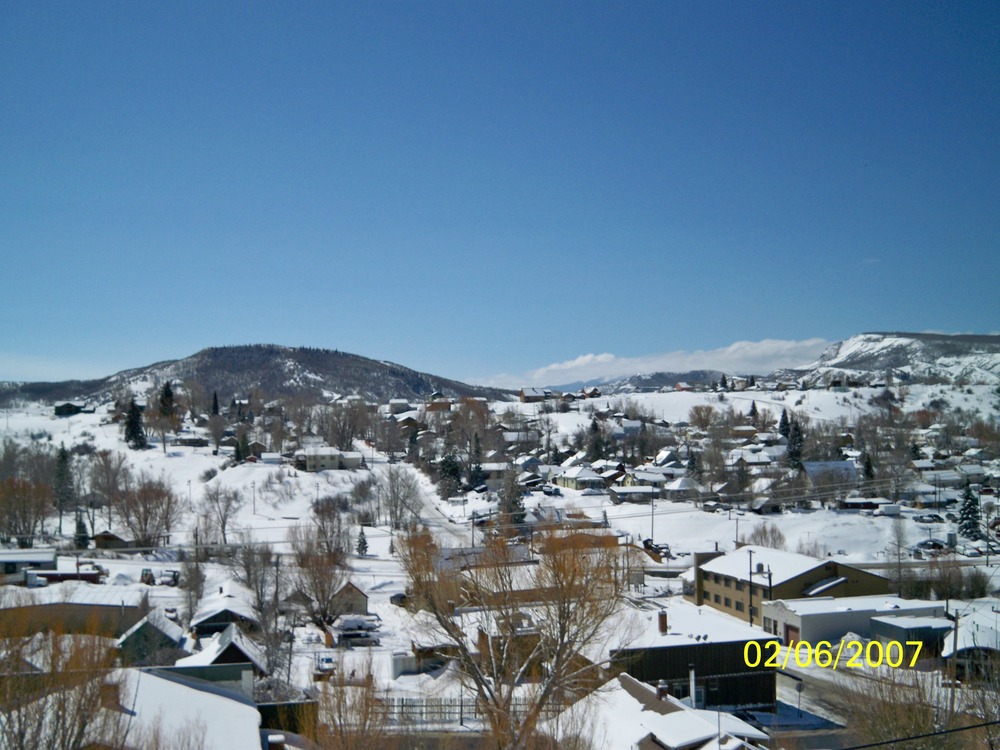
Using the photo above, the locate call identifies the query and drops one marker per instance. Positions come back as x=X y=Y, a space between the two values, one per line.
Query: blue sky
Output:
x=495 y=192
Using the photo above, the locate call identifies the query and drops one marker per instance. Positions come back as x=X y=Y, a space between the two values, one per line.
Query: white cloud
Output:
x=745 y=357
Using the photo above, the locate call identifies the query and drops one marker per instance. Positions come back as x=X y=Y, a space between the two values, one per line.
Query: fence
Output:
x=444 y=711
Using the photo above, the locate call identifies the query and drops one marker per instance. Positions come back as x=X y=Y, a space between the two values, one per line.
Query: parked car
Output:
x=968 y=550
x=928 y=518
x=357 y=640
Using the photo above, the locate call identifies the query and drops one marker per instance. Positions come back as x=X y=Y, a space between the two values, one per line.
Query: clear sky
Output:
x=489 y=191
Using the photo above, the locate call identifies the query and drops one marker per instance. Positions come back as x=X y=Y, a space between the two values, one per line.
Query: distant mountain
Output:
x=646 y=383
x=913 y=357
x=278 y=371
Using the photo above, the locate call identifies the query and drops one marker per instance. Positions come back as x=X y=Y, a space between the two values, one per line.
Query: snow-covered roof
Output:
x=630 y=712
x=783 y=566
x=688 y=624
x=212 y=648
x=826 y=604
x=220 y=719
x=80 y=592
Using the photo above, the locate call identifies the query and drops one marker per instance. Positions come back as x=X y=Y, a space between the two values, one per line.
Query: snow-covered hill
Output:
x=912 y=357
x=277 y=371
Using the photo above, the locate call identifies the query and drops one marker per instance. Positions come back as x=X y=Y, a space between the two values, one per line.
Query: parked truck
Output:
x=892 y=510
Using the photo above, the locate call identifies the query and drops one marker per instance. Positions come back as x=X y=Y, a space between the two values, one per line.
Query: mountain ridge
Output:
x=276 y=370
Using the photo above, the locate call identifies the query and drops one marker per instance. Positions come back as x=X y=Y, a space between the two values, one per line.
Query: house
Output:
x=153 y=636
x=13 y=563
x=531 y=395
x=72 y=408
x=679 y=637
x=740 y=581
x=107 y=540
x=580 y=478
x=827 y=618
x=351 y=600
x=823 y=474
x=229 y=646
x=218 y=611
x=80 y=607
x=325 y=458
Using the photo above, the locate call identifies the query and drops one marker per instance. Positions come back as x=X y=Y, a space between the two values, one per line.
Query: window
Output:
x=727 y=583
x=739 y=606
x=728 y=602
x=716 y=598
x=715 y=578
x=739 y=585
x=753 y=611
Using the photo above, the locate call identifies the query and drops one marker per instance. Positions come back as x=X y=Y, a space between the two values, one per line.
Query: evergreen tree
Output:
x=752 y=415
x=392 y=546
x=362 y=545
x=867 y=469
x=215 y=403
x=449 y=476
x=796 y=441
x=81 y=538
x=969 y=515
x=135 y=434
x=784 y=428
x=62 y=483
x=510 y=503
x=476 y=474
x=722 y=382
x=595 y=442
x=167 y=407
x=694 y=465
x=753 y=381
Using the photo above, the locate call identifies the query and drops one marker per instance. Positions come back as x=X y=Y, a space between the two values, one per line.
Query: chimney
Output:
x=691 y=686
x=661 y=690
x=661 y=619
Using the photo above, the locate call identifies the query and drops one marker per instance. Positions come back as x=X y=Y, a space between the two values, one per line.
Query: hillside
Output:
x=277 y=371
x=912 y=357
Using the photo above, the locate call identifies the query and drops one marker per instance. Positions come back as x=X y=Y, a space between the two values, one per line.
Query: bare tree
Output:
x=701 y=416
x=220 y=506
x=259 y=569
x=53 y=687
x=353 y=712
x=765 y=535
x=320 y=571
x=109 y=474
x=149 y=509
x=343 y=423
x=903 y=703
x=23 y=508
x=530 y=659
x=399 y=495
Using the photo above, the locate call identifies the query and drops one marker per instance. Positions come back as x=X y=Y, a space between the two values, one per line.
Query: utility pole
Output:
x=750 y=591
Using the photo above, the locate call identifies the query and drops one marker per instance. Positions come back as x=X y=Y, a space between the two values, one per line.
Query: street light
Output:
x=253 y=486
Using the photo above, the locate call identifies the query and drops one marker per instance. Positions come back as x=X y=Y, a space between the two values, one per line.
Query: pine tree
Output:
x=62 y=483
x=81 y=538
x=392 y=546
x=969 y=515
x=796 y=440
x=722 y=382
x=783 y=425
x=752 y=415
x=753 y=381
x=362 y=546
x=476 y=474
x=135 y=434
x=215 y=403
